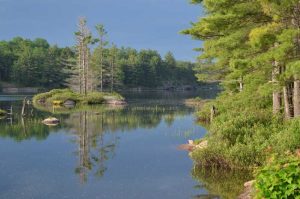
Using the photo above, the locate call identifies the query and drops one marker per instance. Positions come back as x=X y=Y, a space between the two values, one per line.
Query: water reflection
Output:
x=225 y=184
x=93 y=149
x=93 y=128
x=108 y=149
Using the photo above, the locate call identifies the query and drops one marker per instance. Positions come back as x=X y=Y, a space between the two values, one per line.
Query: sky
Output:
x=140 y=24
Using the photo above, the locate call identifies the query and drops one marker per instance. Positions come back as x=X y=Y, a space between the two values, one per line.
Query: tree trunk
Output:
x=276 y=94
x=276 y=102
x=84 y=71
x=296 y=98
x=288 y=107
x=112 y=75
x=101 y=72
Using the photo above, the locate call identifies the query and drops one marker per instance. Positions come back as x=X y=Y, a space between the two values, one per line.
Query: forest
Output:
x=36 y=63
x=253 y=48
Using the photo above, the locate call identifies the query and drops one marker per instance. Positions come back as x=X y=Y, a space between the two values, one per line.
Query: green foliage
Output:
x=56 y=94
x=279 y=179
x=36 y=63
x=253 y=47
x=33 y=63
x=93 y=98
x=244 y=132
x=62 y=95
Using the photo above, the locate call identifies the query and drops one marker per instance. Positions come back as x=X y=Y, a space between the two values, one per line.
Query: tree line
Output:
x=92 y=64
x=252 y=44
x=33 y=63
x=252 y=47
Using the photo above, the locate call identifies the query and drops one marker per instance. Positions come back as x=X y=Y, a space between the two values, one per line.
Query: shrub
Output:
x=279 y=179
x=47 y=95
x=64 y=96
x=93 y=98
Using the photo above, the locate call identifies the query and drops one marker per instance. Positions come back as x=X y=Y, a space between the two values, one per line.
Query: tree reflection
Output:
x=95 y=130
x=93 y=147
x=94 y=127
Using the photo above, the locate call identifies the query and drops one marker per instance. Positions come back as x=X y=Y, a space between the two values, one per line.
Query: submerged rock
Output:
x=51 y=121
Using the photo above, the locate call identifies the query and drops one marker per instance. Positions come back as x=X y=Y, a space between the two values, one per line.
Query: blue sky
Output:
x=141 y=24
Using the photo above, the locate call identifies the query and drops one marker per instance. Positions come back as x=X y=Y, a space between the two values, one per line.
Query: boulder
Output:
x=116 y=102
x=51 y=121
x=191 y=145
x=69 y=103
x=249 y=189
x=42 y=101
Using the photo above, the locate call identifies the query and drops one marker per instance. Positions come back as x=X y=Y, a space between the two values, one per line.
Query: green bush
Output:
x=279 y=179
x=93 y=98
x=64 y=96
x=50 y=94
x=245 y=132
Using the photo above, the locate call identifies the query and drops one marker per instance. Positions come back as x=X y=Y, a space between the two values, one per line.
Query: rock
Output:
x=191 y=142
x=249 y=183
x=69 y=103
x=42 y=101
x=186 y=147
x=116 y=102
x=191 y=145
x=51 y=121
x=249 y=188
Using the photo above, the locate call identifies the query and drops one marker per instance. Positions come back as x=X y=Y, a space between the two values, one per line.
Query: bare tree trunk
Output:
x=80 y=65
x=296 y=98
x=288 y=102
x=101 y=72
x=23 y=107
x=276 y=94
x=276 y=102
x=85 y=69
x=112 y=74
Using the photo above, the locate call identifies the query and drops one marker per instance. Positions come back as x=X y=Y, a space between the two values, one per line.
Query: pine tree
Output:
x=101 y=52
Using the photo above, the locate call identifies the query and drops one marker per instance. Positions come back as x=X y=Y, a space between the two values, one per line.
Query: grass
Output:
x=245 y=133
x=59 y=96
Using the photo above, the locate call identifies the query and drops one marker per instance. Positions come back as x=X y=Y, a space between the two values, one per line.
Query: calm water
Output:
x=102 y=152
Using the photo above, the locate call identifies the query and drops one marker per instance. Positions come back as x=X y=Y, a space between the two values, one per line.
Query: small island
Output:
x=69 y=98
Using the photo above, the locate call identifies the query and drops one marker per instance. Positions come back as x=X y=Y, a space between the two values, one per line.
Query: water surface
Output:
x=101 y=152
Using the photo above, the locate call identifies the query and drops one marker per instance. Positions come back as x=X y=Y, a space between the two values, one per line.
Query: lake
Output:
x=106 y=152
